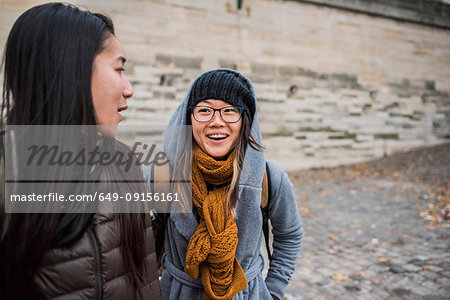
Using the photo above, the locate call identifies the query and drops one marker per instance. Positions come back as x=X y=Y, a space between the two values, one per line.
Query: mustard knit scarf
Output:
x=212 y=248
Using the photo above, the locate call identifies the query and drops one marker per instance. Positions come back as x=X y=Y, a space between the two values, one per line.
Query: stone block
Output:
x=365 y=138
x=263 y=69
x=141 y=70
x=271 y=96
x=168 y=70
x=228 y=63
x=144 y=80
x=412 y=268
x=141 y=94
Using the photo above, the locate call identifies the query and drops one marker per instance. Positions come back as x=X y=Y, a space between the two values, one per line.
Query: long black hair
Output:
x=48 y=63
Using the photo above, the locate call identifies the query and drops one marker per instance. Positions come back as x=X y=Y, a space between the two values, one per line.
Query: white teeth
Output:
x=217 y=136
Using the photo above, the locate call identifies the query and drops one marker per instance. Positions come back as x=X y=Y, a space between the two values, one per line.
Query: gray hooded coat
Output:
x=287 y=230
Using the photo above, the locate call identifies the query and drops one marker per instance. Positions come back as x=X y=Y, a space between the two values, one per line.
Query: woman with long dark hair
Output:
x=212 y=251
x=64 y=66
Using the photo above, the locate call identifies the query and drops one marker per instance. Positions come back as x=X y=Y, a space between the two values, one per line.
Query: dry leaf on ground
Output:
x=339 y=276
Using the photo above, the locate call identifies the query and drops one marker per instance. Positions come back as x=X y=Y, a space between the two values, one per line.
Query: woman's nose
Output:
x=128 y=89
x=217 y=119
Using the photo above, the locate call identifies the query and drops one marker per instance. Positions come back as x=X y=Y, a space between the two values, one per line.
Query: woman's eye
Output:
x=120 y=70
x=204 y=110
x=230 y=110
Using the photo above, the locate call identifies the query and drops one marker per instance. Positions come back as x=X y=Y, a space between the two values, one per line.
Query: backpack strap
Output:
x=265 y=200
x=162 y=185
x=160 y=175
x=265 y=191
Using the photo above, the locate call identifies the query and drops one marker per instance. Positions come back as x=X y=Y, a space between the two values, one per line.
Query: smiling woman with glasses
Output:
x=213 y=251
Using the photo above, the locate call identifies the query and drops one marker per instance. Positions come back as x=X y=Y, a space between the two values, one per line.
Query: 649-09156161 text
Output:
x=97 y=196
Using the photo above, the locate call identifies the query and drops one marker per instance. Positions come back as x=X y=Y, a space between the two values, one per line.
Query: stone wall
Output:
x=334 y=86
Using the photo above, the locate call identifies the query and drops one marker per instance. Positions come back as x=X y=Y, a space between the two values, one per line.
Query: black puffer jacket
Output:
x=95 y=265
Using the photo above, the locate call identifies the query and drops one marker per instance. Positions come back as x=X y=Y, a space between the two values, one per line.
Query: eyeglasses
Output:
x=229 y=114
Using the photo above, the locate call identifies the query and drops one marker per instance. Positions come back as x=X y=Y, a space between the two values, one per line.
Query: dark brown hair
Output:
x=245 y=139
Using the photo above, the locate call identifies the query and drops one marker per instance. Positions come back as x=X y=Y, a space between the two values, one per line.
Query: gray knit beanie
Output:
x=223 y=85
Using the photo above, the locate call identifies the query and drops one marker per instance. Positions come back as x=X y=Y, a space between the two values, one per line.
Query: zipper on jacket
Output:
x=97 y=264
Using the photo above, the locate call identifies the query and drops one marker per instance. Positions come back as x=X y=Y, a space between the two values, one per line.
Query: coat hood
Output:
x=254 y=161
x=175 y=139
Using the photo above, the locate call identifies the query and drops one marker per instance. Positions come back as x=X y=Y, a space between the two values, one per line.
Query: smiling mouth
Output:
x=217 y=137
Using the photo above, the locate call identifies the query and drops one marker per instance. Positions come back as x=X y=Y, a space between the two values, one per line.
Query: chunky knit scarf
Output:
x=212 y=248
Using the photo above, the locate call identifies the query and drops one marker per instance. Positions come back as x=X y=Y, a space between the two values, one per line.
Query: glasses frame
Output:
x=220 y=113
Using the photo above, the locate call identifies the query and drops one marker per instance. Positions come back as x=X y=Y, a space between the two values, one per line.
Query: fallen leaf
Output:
x=339 y=276
x=310 y=216
x=343 y=231
x=334 y=239
x=305 y=197
x=383 y=260
x=384 y=244
x=306 y=266
x=357 y=273
x=425 y=268
x=325 y=193
x=304 y=209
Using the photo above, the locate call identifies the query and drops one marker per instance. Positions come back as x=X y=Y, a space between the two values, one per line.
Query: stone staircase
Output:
x=309 y=119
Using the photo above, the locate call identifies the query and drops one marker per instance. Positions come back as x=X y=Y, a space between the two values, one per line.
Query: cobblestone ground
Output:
x=377 y=230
